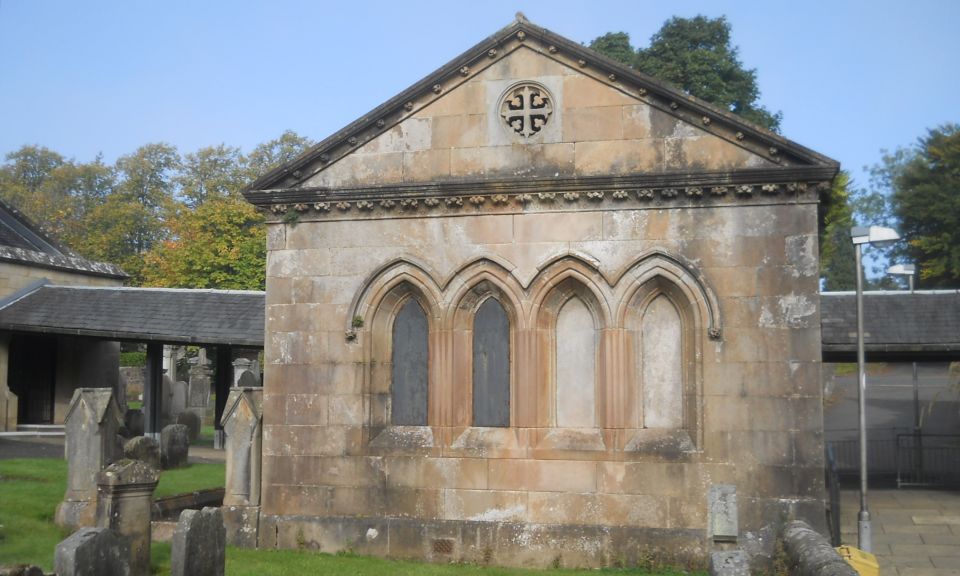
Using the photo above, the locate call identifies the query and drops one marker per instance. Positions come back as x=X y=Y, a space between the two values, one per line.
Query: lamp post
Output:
x=909 y=270
x=860 y=235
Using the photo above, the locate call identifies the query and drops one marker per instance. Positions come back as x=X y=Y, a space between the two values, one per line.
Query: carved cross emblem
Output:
x=526 y=109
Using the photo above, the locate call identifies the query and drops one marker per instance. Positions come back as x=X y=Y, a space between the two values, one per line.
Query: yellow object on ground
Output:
x=864 y=563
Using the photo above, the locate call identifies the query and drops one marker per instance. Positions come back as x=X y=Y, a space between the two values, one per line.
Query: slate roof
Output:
x=172 y=316
x=23 y=242
x=897 y=324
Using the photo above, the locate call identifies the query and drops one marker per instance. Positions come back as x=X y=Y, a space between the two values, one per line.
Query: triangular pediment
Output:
x=529 y=104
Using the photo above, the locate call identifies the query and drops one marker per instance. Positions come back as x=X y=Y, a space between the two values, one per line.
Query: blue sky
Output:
x=98 y=76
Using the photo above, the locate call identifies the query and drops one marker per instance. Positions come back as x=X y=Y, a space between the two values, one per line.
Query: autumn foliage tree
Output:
x=167 y=219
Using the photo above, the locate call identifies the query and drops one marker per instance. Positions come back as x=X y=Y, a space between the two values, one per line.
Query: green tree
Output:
x=269 y=155
x=616 y=45
x=696 y=55
x=210 y=173
x=219 y=244
x=837 y=259
x=925 y=201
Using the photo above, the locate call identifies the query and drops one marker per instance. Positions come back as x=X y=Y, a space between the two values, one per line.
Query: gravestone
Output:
x=178 y=398
x=125 y=505
x=199 y=544
x=144 y=449
x=198 y=397
x=722 y=513
x=242 y=422
x=729 y=563
x=174 y=446
x=92 y=552
x=240 y=365
x=91 y=424
x=192 y=422
x=248 y=379
x=21 y=570
x=133 y=420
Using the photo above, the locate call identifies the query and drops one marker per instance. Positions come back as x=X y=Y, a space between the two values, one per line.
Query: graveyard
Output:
x=538 y=312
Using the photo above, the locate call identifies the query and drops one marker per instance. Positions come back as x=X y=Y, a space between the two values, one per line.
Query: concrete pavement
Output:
x=915 y=532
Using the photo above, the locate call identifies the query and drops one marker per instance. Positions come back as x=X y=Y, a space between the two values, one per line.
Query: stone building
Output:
x=39 y=372
x=539 y=308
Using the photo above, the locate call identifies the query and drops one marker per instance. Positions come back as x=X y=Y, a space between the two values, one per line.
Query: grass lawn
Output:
x=30 y=490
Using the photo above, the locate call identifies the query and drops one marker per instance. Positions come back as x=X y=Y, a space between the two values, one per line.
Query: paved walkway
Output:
x=915 y=532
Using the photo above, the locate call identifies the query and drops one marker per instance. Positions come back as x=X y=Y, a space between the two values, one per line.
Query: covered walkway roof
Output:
x=163 y=315
x=898 y=325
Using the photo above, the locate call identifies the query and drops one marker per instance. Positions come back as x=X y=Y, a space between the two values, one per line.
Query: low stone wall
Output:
x=811 y=554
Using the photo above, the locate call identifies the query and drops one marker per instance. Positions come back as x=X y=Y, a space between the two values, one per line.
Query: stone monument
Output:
x=92 y=423
x=242 y=421
x=125 y=506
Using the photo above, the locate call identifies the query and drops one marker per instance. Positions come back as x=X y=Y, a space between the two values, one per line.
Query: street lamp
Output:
x=878 y=236
x=909 y=270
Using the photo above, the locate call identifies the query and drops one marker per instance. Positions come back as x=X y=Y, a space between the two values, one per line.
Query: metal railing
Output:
x=899 y=454
x=833 y=490
x=928 y=459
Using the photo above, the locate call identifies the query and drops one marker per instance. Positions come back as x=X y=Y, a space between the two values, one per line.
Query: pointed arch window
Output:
x=662 y=364
x=491 y=365
x=576 y=366
x=410 y=364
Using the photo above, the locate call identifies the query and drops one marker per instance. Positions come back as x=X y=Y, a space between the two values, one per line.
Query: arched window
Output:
x=409 y=370
x=491 y=365
x=576 y=364
x=662 y=365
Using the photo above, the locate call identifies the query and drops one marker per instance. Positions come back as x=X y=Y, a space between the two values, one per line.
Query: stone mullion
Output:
x=526 y=383
x=614 y=381
x=462 y=381
x=441 y=386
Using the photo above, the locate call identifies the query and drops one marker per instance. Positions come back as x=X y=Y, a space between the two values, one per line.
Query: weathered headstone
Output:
x=91 y=423
x=125 y=505
x=178 y=398
x=133 y=420
x=92 y=552
x=198 y=396
x=174 y=446
x=248 y=379
x=192 y=422
x=199 y=544
x=242 y=422
x=144 y=449
x=729 y=563
x=722 y=513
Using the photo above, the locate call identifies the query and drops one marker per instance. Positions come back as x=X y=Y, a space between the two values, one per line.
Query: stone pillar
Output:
x=125 y=504
x=92 y=422
x=242 y=422
x=9 y=405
